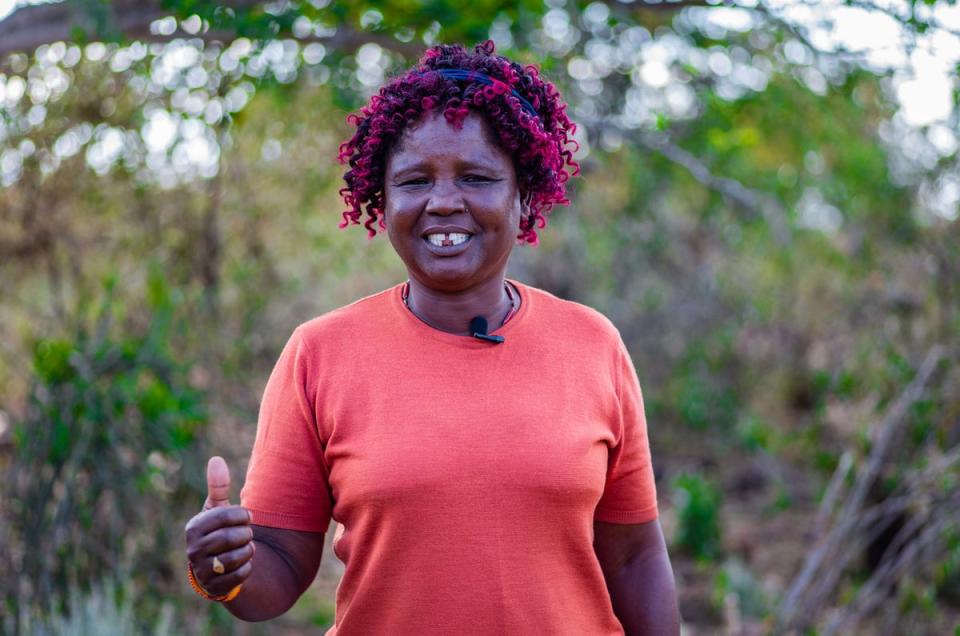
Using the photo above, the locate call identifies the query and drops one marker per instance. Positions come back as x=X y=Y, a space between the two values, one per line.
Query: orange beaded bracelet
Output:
x=224 y=598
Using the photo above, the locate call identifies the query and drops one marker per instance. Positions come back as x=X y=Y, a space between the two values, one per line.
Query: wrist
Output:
x=223 y=598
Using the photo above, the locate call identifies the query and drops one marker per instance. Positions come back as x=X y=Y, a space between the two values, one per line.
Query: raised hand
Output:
x=219 y=539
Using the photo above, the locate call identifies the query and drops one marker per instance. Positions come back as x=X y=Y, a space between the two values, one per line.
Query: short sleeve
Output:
x=629 y=495
x=287 y=478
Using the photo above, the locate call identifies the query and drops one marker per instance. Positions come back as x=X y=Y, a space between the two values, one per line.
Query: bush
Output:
x=103 y=610
x=110 y=420
x=697 y=503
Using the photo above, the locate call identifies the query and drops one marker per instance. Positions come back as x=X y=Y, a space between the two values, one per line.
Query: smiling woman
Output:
x=527 y=120
x=485 y=483
x=452 y=209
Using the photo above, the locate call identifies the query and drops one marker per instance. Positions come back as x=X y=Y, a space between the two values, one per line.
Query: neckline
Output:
x=465 y=342
x=515 y=303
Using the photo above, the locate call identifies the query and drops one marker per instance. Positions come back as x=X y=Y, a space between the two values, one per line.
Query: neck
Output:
x=453 y=311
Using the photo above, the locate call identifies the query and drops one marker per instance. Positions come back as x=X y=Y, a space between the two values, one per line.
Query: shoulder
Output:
x=350 y=322
x=572 y=319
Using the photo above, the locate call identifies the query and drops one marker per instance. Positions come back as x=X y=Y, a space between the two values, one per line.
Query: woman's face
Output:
x=452 y=206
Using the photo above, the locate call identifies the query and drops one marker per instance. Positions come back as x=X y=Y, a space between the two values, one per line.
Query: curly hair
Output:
x=541 y=146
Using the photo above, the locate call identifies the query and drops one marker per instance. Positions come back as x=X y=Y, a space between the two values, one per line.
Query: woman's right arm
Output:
x=285 y=564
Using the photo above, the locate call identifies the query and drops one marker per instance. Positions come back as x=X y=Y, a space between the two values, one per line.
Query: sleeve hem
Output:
x=287 y=522
x=627 y=517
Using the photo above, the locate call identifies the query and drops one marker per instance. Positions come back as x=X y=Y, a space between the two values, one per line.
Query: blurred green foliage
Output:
x=106 y=609
x=111 y=418
x=697 y=504
x=736 y=580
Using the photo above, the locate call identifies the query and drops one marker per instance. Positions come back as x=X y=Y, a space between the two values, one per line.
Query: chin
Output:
x=448 y=282
x=446 y=279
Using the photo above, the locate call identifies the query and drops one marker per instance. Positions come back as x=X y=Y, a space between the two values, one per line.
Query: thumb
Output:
x=218 y=484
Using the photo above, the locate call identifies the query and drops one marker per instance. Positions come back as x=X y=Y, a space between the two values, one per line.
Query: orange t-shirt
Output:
x=467 y=475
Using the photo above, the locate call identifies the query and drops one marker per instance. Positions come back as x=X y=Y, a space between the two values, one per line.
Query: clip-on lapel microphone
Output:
x=478 y=328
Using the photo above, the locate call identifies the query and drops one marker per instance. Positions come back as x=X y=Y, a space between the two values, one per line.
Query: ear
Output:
x=525 y=210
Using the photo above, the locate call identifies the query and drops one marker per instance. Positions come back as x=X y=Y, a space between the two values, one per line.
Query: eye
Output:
x=477 y=178
x=413 y=182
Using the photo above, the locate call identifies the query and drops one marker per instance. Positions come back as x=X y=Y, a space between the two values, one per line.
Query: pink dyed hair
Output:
x=542 y=146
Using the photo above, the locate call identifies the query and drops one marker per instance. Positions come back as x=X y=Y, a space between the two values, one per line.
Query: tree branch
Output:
x=34 y=25
x=755 y=201
x=832 y=493
x=797 y=605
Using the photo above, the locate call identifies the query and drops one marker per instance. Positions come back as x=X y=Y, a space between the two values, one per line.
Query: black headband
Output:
x=486 y=80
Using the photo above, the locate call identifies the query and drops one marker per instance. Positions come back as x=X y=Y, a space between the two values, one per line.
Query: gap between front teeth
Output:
x=455 y=238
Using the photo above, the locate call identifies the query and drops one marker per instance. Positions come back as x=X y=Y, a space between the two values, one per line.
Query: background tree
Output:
x=768 y=214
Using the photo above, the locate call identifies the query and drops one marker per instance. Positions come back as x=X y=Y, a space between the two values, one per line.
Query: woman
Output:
x=486 y=482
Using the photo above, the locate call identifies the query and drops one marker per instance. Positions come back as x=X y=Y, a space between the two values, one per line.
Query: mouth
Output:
x=448 y=239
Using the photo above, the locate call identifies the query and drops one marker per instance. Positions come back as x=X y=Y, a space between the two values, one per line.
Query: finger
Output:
x=233 y=559
x=206 y=522
x=218 y=483
x=218 y=542
x=223 y=583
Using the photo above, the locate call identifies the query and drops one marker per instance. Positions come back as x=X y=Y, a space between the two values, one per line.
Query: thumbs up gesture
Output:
x=219 y=539
x=218 y=484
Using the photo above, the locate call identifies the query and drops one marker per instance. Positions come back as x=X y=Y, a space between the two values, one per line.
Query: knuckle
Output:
x=191 y=525
x=194 y=553
x=243 y=555
x=205 y=543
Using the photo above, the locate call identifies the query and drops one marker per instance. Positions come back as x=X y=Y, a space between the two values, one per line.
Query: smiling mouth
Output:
x=451 y=239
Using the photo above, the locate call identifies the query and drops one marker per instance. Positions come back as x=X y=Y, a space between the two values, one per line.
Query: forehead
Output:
x=433 y=138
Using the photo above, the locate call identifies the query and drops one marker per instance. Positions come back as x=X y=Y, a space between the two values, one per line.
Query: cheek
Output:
x=400 y=209
x=392 y=214
x=393 y=232
x=401 y=232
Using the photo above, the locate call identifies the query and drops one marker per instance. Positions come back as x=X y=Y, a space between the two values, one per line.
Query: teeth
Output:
x=442 y=240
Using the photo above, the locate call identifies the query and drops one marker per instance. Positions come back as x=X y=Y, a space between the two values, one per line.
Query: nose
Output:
x=445 y=199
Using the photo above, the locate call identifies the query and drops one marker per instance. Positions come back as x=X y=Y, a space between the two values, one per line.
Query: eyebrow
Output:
x=415 y=166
